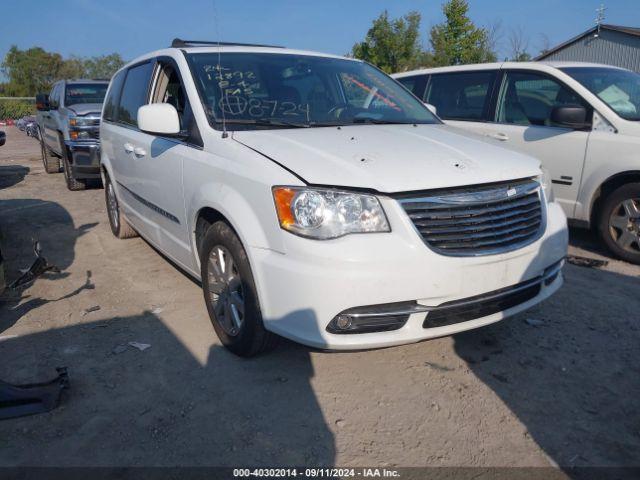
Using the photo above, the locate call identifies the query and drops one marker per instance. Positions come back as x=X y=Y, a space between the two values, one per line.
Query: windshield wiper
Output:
x=265 y=122
x=377 y=121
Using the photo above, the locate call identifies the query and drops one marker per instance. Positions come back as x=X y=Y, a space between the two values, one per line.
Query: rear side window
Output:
x=134 y=93
x=415 y=84
x=461 y=96
x=111 y=102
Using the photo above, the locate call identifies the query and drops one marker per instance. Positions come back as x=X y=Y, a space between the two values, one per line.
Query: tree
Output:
x=103 y=66
x=34 y=70
x=30 y=71
x=393 y=45
x=519 y=44
x=458 y=41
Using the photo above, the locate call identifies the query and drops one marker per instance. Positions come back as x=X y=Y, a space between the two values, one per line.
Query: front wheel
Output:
x=619 y=223
x=230 y=293
x=73 y=183
x=119 y=225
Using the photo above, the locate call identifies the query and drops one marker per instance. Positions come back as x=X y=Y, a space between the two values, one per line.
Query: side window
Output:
x=415 y=84
x=111 y=102
x=134 y=93
x=527 y=98
x=461 y=96
x=169 y=89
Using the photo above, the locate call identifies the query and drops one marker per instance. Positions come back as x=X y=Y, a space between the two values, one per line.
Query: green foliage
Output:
x=34 y=70
x=16 y=109
x=392 y=45
x=458 y=41
x=521 y=57
x=30 y=71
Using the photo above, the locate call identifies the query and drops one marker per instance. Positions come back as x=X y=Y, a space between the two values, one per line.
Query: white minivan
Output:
x=318 y=200
x=581 y=120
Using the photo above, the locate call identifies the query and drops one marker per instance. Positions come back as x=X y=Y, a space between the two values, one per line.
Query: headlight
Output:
x=79 y=135
x=547 y=188
x=323 y=213
x=79 y=122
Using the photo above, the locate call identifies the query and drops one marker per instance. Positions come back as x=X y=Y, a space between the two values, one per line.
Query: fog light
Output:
x=343 y=322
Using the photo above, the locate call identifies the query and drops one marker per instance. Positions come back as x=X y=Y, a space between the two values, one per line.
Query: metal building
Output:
x=608 y=44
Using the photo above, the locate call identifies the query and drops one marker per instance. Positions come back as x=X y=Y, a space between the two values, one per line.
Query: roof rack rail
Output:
x=180 y=43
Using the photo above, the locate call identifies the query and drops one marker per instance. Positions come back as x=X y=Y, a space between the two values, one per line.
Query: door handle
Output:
x=139 y=152
x=128 y=148
x=500 y=136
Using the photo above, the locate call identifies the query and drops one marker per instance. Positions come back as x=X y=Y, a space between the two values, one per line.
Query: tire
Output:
x=50 y=162
x=619 y=222
x=241 y=331
x=73 y=183
x=120 y=227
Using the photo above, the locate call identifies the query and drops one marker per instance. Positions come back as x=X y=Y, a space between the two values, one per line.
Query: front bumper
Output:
x=302 y=290
x=84 y=158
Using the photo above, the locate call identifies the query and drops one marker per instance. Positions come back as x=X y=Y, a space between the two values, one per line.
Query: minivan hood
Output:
x=86 y=108
x=389 y=158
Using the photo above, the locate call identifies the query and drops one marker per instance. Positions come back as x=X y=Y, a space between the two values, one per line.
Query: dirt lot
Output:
x=558 y=385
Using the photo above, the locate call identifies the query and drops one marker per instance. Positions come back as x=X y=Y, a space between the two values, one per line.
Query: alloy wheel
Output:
x=112 y=206
x=624 y=225
x=225 y=290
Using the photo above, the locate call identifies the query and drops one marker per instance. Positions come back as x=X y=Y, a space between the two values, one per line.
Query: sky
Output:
x=134 y=27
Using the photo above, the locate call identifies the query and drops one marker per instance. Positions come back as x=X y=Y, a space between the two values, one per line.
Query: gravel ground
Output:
x=558 y=385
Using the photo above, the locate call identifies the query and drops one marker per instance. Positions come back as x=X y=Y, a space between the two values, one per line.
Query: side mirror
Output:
x=3 y=138
x=570 y=116
x=159 y=119
x=42 y=102
x=432 y=108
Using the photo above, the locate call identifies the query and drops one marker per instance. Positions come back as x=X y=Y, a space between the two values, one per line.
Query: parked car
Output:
x=317 y=199
x=69 y=124
x=3 y=283
x=31 y=128
x=581 y=120
x=21 y=123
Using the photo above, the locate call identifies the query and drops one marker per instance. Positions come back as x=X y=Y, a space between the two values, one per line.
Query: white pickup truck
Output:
x=581 y=120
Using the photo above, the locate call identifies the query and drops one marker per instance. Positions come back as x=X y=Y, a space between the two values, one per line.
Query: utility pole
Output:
x=599 y=18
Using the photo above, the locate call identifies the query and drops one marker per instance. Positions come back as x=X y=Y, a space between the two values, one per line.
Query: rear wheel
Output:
x=119 y=225
x=73 y=183
x=619 y=222
x=230 y=293
x=50 y=162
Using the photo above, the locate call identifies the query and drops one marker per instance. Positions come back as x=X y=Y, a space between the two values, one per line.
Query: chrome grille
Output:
x=481 y=220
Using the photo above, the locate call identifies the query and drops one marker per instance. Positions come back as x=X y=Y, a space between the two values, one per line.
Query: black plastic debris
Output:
x=586 y=261
x=39 y=266
x=29 y=399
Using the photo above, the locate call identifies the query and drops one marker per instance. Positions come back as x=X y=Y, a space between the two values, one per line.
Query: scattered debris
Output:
x=534 y=322
x=119 y=349
x=341 y=422
x=500 y=378
x=440 y=368
x=157 y=310
x=140 y=346
x=586 y=261
x=95 y=308
x=29 y=399
x=39 y=267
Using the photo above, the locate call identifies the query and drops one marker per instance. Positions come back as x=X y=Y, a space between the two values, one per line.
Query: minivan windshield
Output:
x=75 y=93
x=271 y=90
x=620 y=89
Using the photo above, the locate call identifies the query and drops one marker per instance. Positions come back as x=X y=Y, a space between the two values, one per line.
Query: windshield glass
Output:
x=620 y=89
x=271 y=90
x=84 y=93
